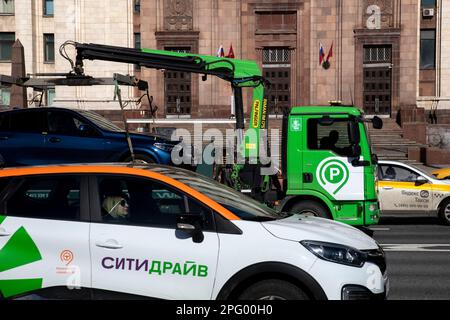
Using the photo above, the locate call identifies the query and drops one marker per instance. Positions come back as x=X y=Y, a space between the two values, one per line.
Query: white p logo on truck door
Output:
x=333 y=175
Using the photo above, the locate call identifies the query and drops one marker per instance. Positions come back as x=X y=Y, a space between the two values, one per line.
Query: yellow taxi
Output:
x=406 y=190
x=442 y=174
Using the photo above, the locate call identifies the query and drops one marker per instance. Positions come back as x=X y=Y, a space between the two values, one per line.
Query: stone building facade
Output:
x=43 y=25
x=376 y=60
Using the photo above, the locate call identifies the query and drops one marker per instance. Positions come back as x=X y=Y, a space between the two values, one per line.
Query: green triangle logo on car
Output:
x=19 y=251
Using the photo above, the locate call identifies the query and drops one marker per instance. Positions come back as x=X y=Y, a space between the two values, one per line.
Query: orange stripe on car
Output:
x=17 y=172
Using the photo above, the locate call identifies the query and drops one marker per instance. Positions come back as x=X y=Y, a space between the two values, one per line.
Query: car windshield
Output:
x=100 y=121
x=241 y=205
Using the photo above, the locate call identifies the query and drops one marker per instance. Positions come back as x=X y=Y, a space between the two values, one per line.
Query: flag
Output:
x=220 y=52
x=330 y=53
x=230 y=52
x=321 y=54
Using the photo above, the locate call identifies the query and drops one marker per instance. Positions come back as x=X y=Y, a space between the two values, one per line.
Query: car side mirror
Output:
x=420 y=180
x=191 y=223
x=377 y=123
x=86 y=129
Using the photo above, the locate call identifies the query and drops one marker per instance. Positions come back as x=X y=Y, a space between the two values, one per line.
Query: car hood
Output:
x=299 y=227
x=152 y=137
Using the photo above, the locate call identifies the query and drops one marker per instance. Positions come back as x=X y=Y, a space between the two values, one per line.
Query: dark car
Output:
x=39 y=136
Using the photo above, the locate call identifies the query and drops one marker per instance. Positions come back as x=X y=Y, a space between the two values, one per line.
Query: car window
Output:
x=239 y=204
x=55 y=198
x=30 y=121
x=396 y=173
x=100 y=121
x=64 y=123
x=332 y=137
x=139 y=201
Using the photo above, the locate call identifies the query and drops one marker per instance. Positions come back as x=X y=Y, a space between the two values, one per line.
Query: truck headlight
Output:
x=336 y=253
x=164 y=146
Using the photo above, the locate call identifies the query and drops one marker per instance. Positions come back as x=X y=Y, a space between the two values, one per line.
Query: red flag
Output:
x=330 y=53
x=231 y=52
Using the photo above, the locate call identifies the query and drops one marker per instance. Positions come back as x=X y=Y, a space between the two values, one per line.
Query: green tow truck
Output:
x=326 y=167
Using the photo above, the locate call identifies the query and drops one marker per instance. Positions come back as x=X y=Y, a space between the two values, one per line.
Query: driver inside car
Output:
x=116 y=207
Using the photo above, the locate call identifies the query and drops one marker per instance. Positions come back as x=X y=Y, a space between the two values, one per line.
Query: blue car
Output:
x=39 y=136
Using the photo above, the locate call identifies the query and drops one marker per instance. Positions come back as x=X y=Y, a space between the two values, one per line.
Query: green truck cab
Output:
x=329 y=169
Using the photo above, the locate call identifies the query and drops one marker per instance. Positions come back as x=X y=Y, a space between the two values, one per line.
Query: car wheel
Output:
x=273 y=290
x=141 y=159
x=444 y=212
x=311 y=208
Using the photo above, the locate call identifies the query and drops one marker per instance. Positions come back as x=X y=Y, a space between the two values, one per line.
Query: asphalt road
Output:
x=418 y=257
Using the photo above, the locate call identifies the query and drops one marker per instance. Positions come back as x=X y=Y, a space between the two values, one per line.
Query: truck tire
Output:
x=444 y=212
x=141 y=159
x=312 y=208
x=273 y=289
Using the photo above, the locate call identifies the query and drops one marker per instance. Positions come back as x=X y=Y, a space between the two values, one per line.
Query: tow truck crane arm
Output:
x=240 y=73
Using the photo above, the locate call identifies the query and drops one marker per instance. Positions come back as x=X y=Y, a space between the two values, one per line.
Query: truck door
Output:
x=327 y=165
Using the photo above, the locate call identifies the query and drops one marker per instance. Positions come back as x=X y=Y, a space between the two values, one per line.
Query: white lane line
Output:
x=422 y=247
x=380 y=229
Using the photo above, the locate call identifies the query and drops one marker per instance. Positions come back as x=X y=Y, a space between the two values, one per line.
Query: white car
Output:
x=104 y=231
x=406 y=190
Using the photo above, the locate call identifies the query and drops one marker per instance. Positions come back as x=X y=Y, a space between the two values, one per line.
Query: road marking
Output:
x=380 y=229
x=422 y=247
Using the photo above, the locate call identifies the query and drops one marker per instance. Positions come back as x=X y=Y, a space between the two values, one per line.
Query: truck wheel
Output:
x=444 y=212
x=312 y=208
x=273 y=290
x=141 y=159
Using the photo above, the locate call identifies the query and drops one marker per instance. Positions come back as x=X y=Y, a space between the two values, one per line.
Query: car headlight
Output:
x=336 y=253
x=164 y=146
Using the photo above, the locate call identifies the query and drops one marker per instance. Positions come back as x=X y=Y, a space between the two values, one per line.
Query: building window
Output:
x=6 y=43
x=178 y=92
x=428 y=3
x=48 y=7
x=137 y=6
x=50 y=96
x=277 y=69
x=6 y=6
x=427 y=49
x=377 y=54
x=5 y=96
x=49 y=47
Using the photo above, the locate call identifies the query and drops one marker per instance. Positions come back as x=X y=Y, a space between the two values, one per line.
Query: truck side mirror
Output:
x=377 y=123
x=191 y=224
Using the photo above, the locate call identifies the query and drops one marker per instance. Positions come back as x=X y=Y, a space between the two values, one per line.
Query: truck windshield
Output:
x=99 y=121
x=241 y=205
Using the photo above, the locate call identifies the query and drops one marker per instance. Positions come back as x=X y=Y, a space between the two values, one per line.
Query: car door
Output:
x=22 y=137
x=44 y=238
x=399 y=191
x=67 y=143
x=136 y=249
